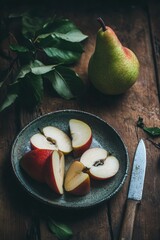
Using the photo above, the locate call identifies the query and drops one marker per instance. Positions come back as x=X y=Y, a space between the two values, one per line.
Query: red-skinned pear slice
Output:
x=101 y=165
x=51 y=138
x=81 y=136
x=105 y=171
x=39 y=141
x=93 y=155
x=33 y=163
x=76 y=181
x=54 y=171
x=59 y=138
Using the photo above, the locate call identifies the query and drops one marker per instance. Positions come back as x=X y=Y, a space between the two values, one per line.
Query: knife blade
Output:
x=135 y=191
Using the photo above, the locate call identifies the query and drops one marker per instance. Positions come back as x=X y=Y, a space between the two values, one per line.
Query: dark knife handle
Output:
x=128 y=221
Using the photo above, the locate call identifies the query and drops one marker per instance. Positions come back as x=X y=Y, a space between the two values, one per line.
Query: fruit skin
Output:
x=81 y=136
x=78 y=151
x=54 y=171
x=76 y=181
x=112 y=68
x=33 y=163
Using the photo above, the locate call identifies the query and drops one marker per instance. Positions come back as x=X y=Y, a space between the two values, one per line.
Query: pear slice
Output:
x=81 y=136
x=101 y=165
x=76 y=181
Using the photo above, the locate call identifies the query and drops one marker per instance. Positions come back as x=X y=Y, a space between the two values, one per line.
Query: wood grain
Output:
x=137 y=28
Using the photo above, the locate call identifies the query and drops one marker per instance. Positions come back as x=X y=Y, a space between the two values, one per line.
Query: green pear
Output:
x=112 y=68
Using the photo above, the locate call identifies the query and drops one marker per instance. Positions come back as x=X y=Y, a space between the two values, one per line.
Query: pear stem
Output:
x=100 y=20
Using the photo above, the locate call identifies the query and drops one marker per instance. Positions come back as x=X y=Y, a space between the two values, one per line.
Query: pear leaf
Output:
x=66 y=82
x=152 y=131
x=61 y=231
x=38 y=68
x=31 y=90
x=64 y=52
x=9 y=100
x=31 y=25
x=72 y=36
x=60 y=85
x=74 y=82
x=19 y=48
x=60 y=41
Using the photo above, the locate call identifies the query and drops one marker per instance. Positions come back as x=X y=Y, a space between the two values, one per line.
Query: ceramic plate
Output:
x=104 y=136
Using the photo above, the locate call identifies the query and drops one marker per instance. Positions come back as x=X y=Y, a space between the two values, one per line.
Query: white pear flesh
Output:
x=101 y=165
x=92 y=155
x=39 y=141
x=107 y=170
x=77 y=181
x=80 y=132
x=58 y=164
x=62 y=140
x=55 y=169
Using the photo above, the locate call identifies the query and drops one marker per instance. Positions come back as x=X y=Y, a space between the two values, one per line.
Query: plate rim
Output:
x=39 y=198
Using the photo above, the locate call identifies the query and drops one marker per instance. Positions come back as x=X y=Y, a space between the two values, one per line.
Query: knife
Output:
x=135 y=191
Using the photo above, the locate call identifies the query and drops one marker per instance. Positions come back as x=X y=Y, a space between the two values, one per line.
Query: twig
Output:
x=157 y=145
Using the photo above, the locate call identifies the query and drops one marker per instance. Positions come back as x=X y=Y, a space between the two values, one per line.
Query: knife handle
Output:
x=128 y=221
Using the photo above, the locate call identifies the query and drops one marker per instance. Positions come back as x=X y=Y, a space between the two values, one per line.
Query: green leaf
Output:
x=24 y=70
x=74 y=82
x=60 y=85
x=31 y=90
x=64 y=52
x=1 y=83
x=72 y=36
x=30 y=25
x=42 y=69
x=66 y=82
x=61 y=231
x=152 y=131
x=36 y=67
x=19 y=48
x=10 y=99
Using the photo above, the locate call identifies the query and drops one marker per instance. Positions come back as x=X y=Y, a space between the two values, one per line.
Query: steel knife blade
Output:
x=135 y=191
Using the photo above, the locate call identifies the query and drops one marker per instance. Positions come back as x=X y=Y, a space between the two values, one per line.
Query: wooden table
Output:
x=138 y=28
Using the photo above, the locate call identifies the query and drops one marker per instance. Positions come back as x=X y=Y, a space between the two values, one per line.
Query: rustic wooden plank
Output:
x=154 y=19
x=140 y=100
x=12 y=219
x=85 y=224
x=121 y=112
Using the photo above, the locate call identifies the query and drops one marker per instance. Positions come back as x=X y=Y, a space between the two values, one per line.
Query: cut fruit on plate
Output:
x=103 y=135
x=54 y=171
x=33 y=163
x=81 y=136
x=52 y=138
x=76 y=181
x=101 y=165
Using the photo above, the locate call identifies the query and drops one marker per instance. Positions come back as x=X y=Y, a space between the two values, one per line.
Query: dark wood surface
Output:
x=137 y=26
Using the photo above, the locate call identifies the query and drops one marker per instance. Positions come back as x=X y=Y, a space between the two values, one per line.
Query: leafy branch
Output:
x=151 y=131
x=45 y=51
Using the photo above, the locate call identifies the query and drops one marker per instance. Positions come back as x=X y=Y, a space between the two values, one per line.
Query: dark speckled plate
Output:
x=104 y=136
